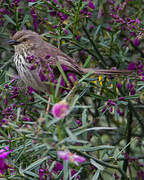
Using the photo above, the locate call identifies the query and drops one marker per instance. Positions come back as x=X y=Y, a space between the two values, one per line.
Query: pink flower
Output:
x=68 y=156
x=78 y=158
x=60 y=109
x=3 y=154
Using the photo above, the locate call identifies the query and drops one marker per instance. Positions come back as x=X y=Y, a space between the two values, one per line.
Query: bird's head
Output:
x=25 y=38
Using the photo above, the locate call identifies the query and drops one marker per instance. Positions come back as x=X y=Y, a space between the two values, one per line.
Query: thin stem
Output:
x=129 y=131
x=94 y=46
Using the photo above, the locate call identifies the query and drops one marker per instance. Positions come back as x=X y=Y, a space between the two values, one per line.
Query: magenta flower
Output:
x=132 y=66
x=108 y=28
x=58 y=167
x=60 y=109
x=136 y=42
x=72 y=77
x=91 y=5
x=3 y=154
x=68 y=156
x=42 y=76
x=48 y=56
x=32 y=67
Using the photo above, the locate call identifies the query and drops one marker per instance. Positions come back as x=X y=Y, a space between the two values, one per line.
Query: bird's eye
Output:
x=24 y=40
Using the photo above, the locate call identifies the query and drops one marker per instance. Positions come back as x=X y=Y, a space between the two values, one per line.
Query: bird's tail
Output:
x=105 y=71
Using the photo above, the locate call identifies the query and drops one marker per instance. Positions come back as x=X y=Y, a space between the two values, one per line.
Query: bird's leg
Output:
x=48 y=106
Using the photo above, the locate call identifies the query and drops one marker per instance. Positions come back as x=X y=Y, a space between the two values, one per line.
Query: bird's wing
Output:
x=56 y=55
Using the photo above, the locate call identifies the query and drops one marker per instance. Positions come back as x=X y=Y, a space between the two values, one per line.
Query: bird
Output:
x=35 y=59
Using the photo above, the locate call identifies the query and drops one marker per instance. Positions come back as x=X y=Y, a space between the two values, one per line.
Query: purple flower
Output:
x=136 y=42
x=48 y=56
x=116 y=176
x=27 y=119
x=15 y=3
x=44 y=174
x=79 y=122
x=58 y=167
x=137 y=21
x=73 y=172
x=71 y=77
x=6 y=86
x=55 y=1
x=132 y=66
x=110 y=103
x=91 y=5
x=91 y=27
x=33 y=14
x=121 y=98
x=54 y=26
x=68 y=156
x=60 y=109
x=119 y=112
x=42 y=76
x=65 y=31
x=31 y=0
x=119 y=85
x=31 y=90
x=32 y=67
x=5 y=101
x=62 y=83
x=108 y=28
x=35 y=24
x=78 y=37
x=64 y=68
x=30 y=58
x=63 y=16
x=53 y=13
x=14 y=105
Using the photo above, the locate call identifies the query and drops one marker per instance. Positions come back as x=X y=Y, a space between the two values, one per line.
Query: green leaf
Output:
x=85 y=76
x=9 y=19
x=99 y=97
x=50 y=123
x=84 y=117
x=97 y=165
x=25 y=19
x=57 y=86
x=59 y=37
x=35 y=3
x=35 y=164
x=65 y=170
x=87 y=62
x=41 y=98
x=4 y=35
x=62 y=72
x=96 y=175
x=91 y=149
x=94 y=129
x=32 y=174
x=76 y=174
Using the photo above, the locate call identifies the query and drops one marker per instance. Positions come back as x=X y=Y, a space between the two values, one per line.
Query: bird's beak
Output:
x=12 y=42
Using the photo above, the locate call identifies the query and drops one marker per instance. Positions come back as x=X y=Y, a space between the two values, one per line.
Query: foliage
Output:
x=102 y=131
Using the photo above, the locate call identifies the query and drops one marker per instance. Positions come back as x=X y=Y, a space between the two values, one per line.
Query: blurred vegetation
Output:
x=105 y=124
